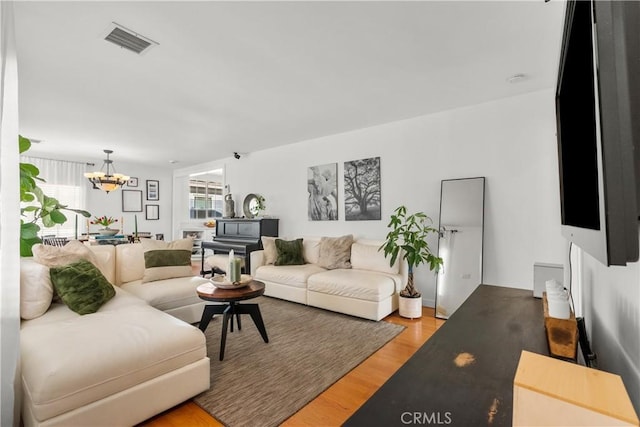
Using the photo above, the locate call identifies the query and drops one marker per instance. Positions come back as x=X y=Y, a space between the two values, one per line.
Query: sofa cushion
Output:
x=169 y=293
x=289 y=252
x=137 y=343
x=368 y=257
x=55 y=256
x=36 y=290
x=311 y=249
x=291 y=275
x=81 y=286
x=166 y=260
x=358 y=284
x=129 y=263
x=335 y=252
x=270 y=250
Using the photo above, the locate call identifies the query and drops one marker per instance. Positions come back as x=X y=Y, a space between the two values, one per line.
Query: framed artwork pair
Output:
x=132 y=199
x=361 y=191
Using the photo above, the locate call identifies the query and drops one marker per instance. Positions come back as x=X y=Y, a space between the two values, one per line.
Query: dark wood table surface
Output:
x=488 y=332
x=252 y=290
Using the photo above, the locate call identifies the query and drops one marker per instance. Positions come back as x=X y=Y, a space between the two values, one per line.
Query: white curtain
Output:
x=65 y=181
x=59 y=172
x=9 y=223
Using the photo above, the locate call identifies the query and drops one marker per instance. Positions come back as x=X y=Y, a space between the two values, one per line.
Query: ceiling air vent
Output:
x=128 y=39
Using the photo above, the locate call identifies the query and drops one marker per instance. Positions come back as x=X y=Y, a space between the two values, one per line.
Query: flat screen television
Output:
x=598 y=128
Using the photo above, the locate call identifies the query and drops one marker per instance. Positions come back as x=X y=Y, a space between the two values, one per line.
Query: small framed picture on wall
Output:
x=153 y=190
x=131 y=200
x=133 y=182
x=152 y=212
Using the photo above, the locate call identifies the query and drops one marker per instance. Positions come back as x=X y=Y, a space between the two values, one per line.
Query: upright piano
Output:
x=240 y=234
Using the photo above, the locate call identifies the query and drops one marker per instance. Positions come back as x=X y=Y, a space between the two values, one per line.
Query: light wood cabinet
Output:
x=551 y=392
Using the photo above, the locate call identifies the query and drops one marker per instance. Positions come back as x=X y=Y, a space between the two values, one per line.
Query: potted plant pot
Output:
x=411 y=308
x=107 y=232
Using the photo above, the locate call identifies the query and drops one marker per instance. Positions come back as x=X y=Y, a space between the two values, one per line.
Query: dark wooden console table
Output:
x=489 y=330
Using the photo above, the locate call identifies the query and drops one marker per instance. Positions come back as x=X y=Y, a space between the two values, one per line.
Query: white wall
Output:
x=100 y=203
x=511 y=142
x=611 y=309
x=10 y=385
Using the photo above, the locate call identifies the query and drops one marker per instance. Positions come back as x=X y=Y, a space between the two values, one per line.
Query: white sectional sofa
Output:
x=175 y=296
x=368 y=289
x=135 y=357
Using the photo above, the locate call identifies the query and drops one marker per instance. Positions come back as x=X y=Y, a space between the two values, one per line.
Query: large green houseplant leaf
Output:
x=408 y=236
x=41 y=207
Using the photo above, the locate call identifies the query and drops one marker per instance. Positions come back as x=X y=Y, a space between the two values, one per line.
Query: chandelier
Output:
x=106 y=180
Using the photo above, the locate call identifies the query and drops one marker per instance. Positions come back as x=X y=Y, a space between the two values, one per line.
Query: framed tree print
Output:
x=362 y=189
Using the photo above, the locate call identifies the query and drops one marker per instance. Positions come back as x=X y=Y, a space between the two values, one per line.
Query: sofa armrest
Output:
x=257 y=260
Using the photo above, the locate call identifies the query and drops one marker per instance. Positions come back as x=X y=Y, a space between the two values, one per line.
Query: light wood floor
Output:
x=336 y=404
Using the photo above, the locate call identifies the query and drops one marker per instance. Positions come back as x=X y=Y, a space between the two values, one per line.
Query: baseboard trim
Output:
x=427 y=302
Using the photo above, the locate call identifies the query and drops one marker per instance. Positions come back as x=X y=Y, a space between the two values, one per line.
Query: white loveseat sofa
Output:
x=368 y=289
x=130 y=360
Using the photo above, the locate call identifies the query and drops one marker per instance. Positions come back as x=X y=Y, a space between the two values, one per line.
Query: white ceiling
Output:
x=245 y=76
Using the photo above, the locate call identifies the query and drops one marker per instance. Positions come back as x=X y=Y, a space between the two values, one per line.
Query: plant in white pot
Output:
x=408 y=236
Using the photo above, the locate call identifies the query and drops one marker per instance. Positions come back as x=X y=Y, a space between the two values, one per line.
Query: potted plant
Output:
x=260 y=205
x=106 y=221
x=37 y=207
x=408 y=238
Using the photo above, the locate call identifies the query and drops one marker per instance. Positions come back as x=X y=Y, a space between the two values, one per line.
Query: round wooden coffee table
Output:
x=232 y=297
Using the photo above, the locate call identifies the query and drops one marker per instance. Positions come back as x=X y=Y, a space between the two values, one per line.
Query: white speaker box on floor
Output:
x=543 y=272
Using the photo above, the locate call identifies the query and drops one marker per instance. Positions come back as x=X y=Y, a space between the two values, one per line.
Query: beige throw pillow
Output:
x=311 y=249
x=270 y=250
x=166 y=260
x=335 y=252
x=57 y=256
x=36 y=290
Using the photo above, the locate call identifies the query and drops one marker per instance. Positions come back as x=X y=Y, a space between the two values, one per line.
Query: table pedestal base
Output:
x=228 y=311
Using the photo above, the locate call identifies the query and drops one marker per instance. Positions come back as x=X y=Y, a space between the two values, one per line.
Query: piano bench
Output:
x=219 y=262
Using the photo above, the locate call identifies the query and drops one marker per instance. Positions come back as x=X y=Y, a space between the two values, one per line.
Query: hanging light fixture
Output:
x=107 y=180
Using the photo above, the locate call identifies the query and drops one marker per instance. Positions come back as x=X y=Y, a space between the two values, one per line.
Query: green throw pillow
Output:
x=81 y=286
x=166 y=260
x=163 y=264
x=289 y=252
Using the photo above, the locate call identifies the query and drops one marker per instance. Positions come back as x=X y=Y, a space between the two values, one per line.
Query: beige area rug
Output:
x=260 y=384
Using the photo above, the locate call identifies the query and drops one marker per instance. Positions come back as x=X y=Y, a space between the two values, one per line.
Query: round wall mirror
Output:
x=250 y=206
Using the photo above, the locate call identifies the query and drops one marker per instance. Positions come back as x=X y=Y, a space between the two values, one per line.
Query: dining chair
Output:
x=55 y=241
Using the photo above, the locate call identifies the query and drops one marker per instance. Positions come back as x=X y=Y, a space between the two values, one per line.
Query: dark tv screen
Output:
x=598 y=126
x=576 y=113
